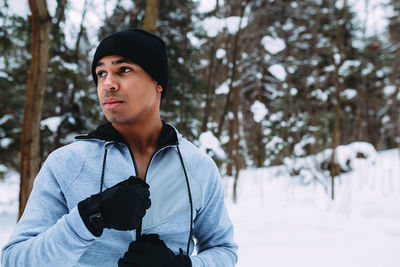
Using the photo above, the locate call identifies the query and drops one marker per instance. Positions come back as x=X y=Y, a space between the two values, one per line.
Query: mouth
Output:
x=112 y=103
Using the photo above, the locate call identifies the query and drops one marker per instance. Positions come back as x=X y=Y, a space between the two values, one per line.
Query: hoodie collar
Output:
x=107 y=132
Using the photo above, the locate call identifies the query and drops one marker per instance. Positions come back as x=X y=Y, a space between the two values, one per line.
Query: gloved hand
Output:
x=150 y=251
x=119 y=207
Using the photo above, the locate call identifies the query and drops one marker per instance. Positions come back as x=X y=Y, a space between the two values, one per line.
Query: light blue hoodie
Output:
x=52 y=233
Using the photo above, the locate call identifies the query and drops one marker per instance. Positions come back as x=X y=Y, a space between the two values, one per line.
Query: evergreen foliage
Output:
x=291 y=57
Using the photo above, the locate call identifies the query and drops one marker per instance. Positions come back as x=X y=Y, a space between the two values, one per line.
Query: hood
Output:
x=107 y=132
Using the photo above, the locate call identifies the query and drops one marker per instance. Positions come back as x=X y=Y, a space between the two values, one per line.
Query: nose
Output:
x=110 y=83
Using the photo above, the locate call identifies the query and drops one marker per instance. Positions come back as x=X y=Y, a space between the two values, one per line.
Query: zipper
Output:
x=133 y=161
x=139 y=229
x=151 y=158
x=154 y=154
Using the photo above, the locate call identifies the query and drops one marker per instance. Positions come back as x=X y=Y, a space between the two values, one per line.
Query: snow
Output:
x=329 y=68
x=309 y=80
x=220 y=53
x=194 y=40
x=315 y=167
x=337 y=58
x=375 y=15
x=259 y=111
x=3 y=74
x=349 y=93
x=69 y=66
x=274 y=143
x=19 y=8
x=280 y=222
x=346 y=67
x=223 y=89
x=208 y=142
x=267 y=58
x=368 y=69
x=278 y=71
x=5 y=118
x=299 y=147
x=214 y=25
x=5 y=142
x=3 y=168
x=276 y=116
x=9 y=190
x=52 y=123
x=206 y=6
x=273 y=45
x=385 y=119
x=319 y=94
x=388 y=90
x=233 y=23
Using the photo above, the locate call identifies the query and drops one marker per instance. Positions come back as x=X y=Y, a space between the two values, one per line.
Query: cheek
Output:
x=99 y=96
x=139 y=91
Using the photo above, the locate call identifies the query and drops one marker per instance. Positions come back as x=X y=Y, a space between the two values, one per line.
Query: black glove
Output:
x=119 y=207
x=151 y=251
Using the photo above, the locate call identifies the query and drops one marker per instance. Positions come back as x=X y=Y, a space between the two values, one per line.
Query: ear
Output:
x=159 y=88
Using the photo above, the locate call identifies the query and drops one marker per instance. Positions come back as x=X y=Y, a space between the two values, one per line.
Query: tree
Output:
x=150 y=18
x=30 y=139
x=334 y=84
x=394 y=98
x=15 y=38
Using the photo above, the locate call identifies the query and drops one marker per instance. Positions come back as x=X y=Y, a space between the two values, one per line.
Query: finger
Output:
x=141 y=182
x=143 y=203
x=124 y=263
x=142 y=191
x=150 y=238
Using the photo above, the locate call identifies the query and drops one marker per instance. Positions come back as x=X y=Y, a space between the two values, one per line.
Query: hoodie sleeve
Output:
x=48 y=234
x=213 y=228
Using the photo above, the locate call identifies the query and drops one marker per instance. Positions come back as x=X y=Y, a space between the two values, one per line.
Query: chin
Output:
x=116 y=121
x=113 y=119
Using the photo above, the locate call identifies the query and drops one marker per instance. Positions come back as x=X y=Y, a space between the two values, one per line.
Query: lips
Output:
x=112 y=103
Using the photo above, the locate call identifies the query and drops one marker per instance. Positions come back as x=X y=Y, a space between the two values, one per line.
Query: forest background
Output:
x=266 y=80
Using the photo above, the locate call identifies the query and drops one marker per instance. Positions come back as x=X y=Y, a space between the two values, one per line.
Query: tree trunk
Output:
x=30 y=137
x=150 y=18
x=233 y=72
x=235 y=137
x=335 y=168
x=81 y=32
x=338 y=83
x=207 y=108
x=229 y=149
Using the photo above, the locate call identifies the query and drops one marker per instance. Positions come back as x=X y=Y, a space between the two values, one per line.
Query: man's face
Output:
x=126 y=92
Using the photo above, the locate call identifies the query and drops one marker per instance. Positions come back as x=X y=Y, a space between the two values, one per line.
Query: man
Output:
x=132 y=193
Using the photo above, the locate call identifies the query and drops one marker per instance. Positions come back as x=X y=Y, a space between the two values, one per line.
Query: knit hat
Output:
x=143 y=48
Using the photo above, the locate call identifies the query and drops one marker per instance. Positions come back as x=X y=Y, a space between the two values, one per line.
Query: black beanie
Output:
x=143 y=48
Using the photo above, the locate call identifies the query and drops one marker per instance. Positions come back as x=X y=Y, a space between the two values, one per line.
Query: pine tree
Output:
x=392 y=126
x=15 y=38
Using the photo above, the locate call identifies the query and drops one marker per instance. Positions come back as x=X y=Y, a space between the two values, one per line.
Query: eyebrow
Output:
x=116 y=62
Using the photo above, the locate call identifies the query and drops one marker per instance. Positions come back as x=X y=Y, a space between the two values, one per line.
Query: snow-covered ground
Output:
x=281 y=222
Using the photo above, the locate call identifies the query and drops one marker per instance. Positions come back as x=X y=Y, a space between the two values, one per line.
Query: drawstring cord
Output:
x=190 y=200
x=102 y=169
x=188 y=188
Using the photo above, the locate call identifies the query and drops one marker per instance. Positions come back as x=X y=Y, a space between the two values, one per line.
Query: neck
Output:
x=141 y=137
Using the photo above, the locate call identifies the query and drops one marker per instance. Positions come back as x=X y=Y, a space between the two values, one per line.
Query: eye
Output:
x=101 y=74
x=125 y=69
